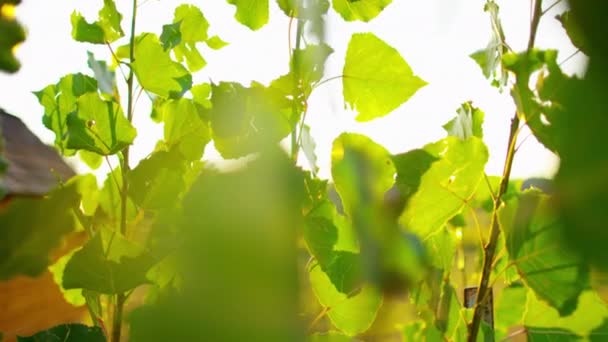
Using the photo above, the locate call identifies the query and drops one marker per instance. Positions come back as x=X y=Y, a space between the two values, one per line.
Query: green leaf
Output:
x=109 y=264
x=467 y=123
x=364 y=10
x=310 y=64
x=599 y=334
x=510 y=309
x=32 y=228
x=155 y=70
x=447 y=185
x=99 y=126
x=106 y=79
x=89 y=193
x=59 y=100
x=243 y=120
x=67 y=333
x=201 y=94
x=251 y=13
x=193 y=28
x=184 y=128
x=550 y=335
x=411 y=166
x=171 y=36
x=105 y=30
x=304 y=10
x=533 y=238
x=489 y=59
x=73 y=296
x=352 y=315
x=376 y=79
x=12 y=35
x=586 y=319
x=110 y=199
x=93 y=160
x=216 y=43
x=157 y=181
x=441 y=249
x=572 y=27
x=330 y=336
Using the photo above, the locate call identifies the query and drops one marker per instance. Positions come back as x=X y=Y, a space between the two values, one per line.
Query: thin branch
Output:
x=551 y=6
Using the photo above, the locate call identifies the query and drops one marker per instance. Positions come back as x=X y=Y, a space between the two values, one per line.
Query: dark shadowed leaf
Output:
x=67 y=333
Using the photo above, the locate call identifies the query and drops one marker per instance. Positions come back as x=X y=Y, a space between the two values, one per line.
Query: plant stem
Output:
x=120 y=297
x=296 y=86
x=490 y=247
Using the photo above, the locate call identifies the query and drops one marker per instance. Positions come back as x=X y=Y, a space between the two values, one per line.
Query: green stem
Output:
x=120 y=297
x=490 y=247
x=296 y=88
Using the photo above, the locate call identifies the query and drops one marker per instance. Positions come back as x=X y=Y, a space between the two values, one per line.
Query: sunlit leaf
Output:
x=108 y=263
x=364 y=10
x=92 y=159
x=216 y=43
x=447 y=185
x=376 y=78
x=67 y=333
x=351 y=314
x=331 y=336
x=467 y=123
x=155 y=70
x=99 y=126
x=110 y=198
x=32 y=228
x=105 y=30
x=550 y=335
x=59 y=100
x=510 y=309
x=184 y=128
x=251 y=13
x=73 y=296
x=535 y=245
x=192 y=26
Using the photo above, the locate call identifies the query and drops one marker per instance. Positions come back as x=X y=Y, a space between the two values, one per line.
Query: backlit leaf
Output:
x=447 y=185
x=364 y=10
x=251 y=13
x=106 y=29
x=155 y=70
x=467 y=123
x=376 y=78
x=533 y=239
x=184 y=128
x=99 y=126
x=32 y=228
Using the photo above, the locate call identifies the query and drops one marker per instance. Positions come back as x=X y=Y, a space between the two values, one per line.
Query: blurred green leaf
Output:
x=59 y=100
x=376 y=78
x=308 y=147
x=32 y=228
x=155 y=70
x=577 y=37
x=92 y=159
x=251 y=13
x=106 y=78
x=237 y=226
x=216 y=43
x=73 y=296
x=12 y=35
x=467 y=123
x=67 y=333
x=105 y=30
x=331 y=336
x=109 y=264
x=303 y=10
x=411 y=166
x=110 y=200
x=447 y=185
x=243 y=120
x=533 y=239
x=353 y=313
x=99 y=126
x=184 y=128
x=550 y=334
x=510 y=309
x=364 y=10
x=441 y=249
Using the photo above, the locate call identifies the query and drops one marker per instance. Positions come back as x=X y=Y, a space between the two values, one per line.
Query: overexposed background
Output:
x=434 y=36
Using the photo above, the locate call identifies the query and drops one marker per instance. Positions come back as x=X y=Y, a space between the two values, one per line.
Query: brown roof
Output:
x=34 y=168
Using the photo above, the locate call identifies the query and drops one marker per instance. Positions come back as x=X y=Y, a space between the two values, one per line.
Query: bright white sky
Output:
x=434 y=36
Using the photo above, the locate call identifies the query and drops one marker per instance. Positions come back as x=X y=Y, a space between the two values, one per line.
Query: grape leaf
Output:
x=73 y=296
x=184 y=128
x=59 y=100
x=468 y=122
x=109 y=264
x=535 y=334
x=216 y=43
x=533 y=239
x=352 y=314
x=73 y=332
x=376 y=79
x=243 y=120
x=105 y=30
x=193 y=28
x=364 y=10
x=32 y=228
x=447 y=185
x=155 y=70
x=93 y=160
x=171 y=36
x=251 y=13
x=106 y=79
x=110 y=199
x=99 y=126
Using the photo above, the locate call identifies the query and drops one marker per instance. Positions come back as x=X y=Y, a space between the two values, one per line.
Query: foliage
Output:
x=265 y=250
